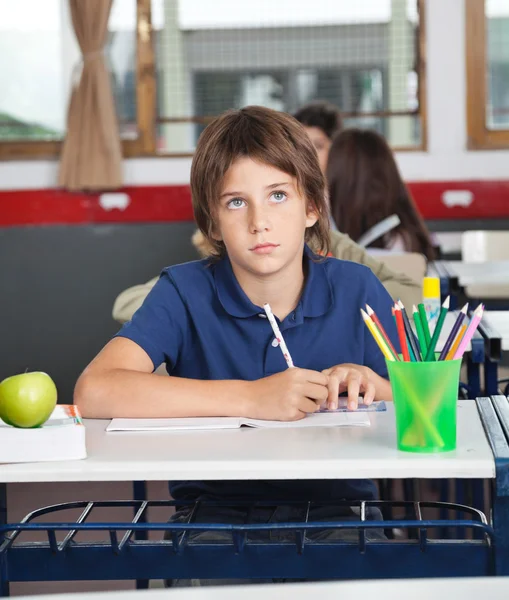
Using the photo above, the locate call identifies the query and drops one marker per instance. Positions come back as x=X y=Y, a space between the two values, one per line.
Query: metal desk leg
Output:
x=490 y=377
x=474 y=379
x=140 y=493
x=4 y=584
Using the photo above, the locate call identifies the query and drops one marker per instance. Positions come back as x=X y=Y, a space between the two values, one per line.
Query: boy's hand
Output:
x=352 y=378
x=287 y=396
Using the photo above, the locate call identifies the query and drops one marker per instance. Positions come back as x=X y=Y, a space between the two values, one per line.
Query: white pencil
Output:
x=278 y=335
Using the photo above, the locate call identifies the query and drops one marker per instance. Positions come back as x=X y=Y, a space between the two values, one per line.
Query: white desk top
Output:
x=308 y=453
x=492 y=272
x=498 y=320
x=494 y=588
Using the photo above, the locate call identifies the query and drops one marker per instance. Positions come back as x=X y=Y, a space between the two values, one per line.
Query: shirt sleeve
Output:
x=380 y=301
x=158 y=325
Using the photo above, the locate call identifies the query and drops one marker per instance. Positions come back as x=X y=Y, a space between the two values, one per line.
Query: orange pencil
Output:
x=456 y=343
x=376 y=321
x=401 y=333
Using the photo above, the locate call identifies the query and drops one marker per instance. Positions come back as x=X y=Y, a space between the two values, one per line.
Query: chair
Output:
x=412 y=264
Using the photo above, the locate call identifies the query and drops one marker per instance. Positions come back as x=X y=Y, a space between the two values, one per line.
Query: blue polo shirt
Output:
x=200 y=323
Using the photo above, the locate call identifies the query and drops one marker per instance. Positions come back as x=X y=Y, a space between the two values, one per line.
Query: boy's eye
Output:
x=235 y=203
x=279 y=196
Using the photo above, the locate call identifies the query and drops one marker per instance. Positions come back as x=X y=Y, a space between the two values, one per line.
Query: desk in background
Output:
x=246 y=454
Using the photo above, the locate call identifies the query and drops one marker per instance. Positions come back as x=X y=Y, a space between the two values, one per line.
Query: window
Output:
x=39 y=59
x=487 y=47
x=364 y=56
x=176 y=64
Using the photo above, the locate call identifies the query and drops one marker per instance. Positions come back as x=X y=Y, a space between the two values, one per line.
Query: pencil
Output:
x=430 y=355
x=278 y=335
x=476 y=319
x=401 y=333
x=376 y=321
x=452 y=335
x=424 y=323
x=454 y=347
x=419 y=329
x=409 y=333
x=377 y=336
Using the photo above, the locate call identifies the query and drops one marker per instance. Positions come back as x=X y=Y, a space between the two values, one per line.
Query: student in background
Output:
x=258 y=198
x=366 y=187
x=322 y=121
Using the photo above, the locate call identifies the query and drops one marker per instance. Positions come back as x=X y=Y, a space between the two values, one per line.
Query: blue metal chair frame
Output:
x=241 y=556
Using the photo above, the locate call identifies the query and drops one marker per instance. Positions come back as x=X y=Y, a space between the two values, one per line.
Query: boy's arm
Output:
x=128 y=301
x=119 y=382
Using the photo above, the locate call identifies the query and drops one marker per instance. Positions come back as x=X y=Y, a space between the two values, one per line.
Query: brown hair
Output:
x=321 y=114
x=365 y=187
x=267 y=136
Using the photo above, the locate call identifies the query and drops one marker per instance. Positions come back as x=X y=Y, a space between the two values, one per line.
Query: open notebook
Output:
x=322 y=419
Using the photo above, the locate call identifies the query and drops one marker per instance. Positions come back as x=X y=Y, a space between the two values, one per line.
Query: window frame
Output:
x=479 y=137
x=145 y=144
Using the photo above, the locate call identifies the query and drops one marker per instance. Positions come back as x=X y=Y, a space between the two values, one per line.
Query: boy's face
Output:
x=261 y=217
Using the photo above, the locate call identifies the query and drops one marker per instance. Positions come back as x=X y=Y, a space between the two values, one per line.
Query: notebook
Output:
x=62 y=437
x=320 y=419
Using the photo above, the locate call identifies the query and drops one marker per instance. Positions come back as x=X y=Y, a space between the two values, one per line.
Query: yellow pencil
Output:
x=456 y=343
x=377 y=335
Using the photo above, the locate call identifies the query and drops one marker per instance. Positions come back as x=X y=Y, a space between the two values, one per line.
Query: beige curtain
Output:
x=92 y=153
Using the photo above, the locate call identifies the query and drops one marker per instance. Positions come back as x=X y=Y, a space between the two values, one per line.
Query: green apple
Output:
x=28 y=399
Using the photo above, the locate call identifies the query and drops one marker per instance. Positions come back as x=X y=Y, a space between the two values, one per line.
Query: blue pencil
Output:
x=454 y=332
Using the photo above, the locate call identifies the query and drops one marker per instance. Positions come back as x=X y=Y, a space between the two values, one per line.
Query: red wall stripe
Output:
x=173 y=203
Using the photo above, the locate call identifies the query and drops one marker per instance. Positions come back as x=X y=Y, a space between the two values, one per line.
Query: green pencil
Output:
x=430 y=355
x=420 y=332
x=424 y=322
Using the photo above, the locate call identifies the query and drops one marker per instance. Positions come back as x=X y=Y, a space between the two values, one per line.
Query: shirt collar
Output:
x=316 y=299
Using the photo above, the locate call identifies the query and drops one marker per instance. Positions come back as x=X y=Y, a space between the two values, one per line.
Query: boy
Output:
x=258 y=197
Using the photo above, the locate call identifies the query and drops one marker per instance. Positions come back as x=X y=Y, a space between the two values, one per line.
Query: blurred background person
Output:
x=365 y=187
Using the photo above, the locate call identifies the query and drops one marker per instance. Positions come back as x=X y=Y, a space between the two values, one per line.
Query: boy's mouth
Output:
x=265 y=248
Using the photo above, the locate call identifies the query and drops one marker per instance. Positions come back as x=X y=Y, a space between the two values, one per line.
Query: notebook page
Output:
x=174 y=424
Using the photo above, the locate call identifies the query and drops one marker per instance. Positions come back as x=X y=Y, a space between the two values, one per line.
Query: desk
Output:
x=466 y=588
x=328 y=453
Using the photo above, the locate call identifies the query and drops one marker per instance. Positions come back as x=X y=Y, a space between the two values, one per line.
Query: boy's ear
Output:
x=311 y=215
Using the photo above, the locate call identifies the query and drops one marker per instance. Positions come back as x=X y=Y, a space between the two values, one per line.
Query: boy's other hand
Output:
x=352 y=378
x=287 y=396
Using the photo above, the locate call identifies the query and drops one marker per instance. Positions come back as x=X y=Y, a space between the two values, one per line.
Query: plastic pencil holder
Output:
x=425 y=397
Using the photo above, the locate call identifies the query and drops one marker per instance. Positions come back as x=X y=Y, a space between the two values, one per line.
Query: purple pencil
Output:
x=454 y=332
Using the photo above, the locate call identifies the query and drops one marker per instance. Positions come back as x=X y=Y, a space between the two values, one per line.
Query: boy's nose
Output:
x=259 y=220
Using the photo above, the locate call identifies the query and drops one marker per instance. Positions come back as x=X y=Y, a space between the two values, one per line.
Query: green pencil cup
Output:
x=425 y=395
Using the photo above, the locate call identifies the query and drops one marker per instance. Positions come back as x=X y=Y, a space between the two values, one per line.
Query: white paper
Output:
x=333 y=419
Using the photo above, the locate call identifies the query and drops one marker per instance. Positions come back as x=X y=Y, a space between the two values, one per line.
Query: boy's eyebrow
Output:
x=275 y=185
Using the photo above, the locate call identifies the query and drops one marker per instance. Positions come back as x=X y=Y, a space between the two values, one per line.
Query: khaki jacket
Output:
x=399 y=285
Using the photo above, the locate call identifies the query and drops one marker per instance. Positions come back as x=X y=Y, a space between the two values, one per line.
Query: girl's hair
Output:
x=321 y=114
x=365 y=187
x=269 y=137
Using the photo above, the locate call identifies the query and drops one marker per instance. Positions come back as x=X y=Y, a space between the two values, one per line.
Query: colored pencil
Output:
x=377 y=336
x=278 y=335
x=376 y=321
x=420 y=331
x=476 y=319
x=452 y=336
x=401 y=333
x=414 y=347
x=454 y=347
x=424 y=323
x=430 y=355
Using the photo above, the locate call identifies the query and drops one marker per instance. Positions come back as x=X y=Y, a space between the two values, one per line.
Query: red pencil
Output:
x=401 y=333
x=376 y=320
